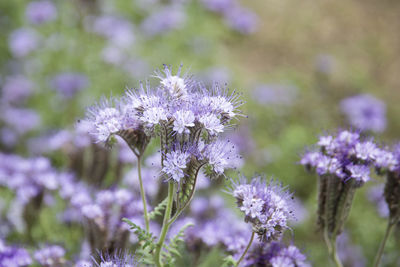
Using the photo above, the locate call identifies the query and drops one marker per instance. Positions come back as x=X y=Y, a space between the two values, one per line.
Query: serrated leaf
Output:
x=142 y=234
x=158 y=209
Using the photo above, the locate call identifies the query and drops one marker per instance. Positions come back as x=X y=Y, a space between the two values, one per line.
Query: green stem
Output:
x=146 y=215
x=327 y=240
x=165 y=225
x=334 y=254
x=247 y=249
x=383 y=243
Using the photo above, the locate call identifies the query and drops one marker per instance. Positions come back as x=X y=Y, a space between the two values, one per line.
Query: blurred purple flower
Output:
x=220 y=6
x=16 y=89
x=23 y=41
x=365 y=112
x=351 y=255
x=164 y=20
x=50 y=256
x=375 y=194
x=241 y=20
x=118 y=31
x=11 y=256
x=21 y=120
x=38 y=12
x=67 y=84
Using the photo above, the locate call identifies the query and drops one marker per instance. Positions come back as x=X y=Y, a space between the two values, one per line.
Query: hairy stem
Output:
x=247 y=249
x=142 y=193
x=383 y=243
x=165 y=225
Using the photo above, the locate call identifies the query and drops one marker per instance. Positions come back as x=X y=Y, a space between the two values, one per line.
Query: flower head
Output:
x=266 y=205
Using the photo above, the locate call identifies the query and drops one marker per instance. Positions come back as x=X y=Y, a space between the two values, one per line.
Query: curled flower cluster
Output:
x=187 y=116
x=266 y=205
x=345 y=156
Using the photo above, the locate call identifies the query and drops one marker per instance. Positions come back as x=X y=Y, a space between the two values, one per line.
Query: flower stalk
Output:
x=247 y=249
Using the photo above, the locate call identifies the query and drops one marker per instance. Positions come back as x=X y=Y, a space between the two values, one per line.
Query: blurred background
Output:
x=304 y=68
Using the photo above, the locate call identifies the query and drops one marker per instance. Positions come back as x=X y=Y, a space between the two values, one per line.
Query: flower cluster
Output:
x=50 y=256
x=13 y=256
x=187 y=116
x=345 y=156
x=101 y=212
x=276 y=255
x=365 y=112
x=210 y=216
x=28 y=177
x=266 y=205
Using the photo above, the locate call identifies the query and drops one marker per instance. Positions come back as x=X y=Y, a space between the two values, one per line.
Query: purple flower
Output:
x=67 y=84
x=343 y=155
x=276 y=255
x=358 y=172
x=376 y=196
x=241 y=20
x=385 y=160
x=50 y=256
x=175 y=163
x=266 y=205
x=106 y=120
x=23 y=41
x=119 y=259
x=162 y=21
x=220 y=6
x=16 y=89
x=365 y=112
x=11 y=256
x=21 y=120
x=38 y=12
x=117 y=30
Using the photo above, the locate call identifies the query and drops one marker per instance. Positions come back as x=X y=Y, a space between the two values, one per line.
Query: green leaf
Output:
x=144 y=237
x=171 y=250
x=228 y=261
x=158 y=209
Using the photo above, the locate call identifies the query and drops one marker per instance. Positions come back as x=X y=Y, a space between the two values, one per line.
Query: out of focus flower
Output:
x=16 y=89
x=164 y=20
x=376 y=195
x=23 y=41
x=38 y=12
x=365 y=112
x=118 y=31
x=11 y=256
x=21 y=120
x=219 y=6
x=266 y=205
x=241 y=20
x=67 y=84
x=349 y=254
x=50 y=256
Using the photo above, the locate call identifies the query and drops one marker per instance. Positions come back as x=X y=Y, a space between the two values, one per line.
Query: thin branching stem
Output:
x=247 y=248
x=383 y=243
x=143 y=194
x=165 y=225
